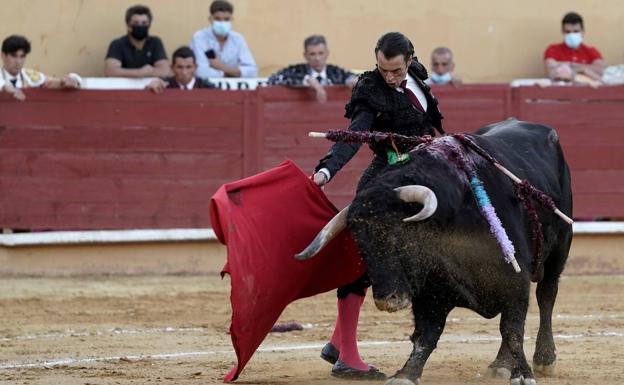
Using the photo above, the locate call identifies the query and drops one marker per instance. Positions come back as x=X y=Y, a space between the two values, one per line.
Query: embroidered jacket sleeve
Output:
x=290 y=76
x=362 y=109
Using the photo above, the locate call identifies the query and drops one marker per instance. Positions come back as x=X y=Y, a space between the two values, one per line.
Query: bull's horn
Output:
x=331 y=229
x=421 y=194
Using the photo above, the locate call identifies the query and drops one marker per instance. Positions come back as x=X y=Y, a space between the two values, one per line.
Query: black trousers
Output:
x=360 y=285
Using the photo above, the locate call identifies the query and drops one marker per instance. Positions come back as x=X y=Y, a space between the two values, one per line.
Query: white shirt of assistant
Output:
x=26 y=78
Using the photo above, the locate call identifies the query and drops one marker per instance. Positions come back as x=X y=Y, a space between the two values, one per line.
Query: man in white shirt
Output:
x=221 y=52
x=14 y=77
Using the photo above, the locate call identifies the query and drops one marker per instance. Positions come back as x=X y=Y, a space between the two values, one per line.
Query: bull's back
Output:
x=531 y=151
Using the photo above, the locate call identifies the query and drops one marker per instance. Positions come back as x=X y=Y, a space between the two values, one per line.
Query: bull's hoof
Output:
x=401 y=381
x=522 y=381
x=499 y=372
x=544 y=370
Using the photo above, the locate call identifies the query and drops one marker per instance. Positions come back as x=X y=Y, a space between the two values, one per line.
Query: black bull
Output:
x=451 y=258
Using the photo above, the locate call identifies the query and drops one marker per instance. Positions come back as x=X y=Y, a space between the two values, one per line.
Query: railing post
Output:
x=253 y=138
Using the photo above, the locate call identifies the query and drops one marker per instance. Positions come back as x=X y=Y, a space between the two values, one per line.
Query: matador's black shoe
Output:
x=330 y=353
x=341 y=370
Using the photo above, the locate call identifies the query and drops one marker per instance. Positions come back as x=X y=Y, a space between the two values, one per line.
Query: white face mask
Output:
x=573 y=39
x=441 y=79
x=221 y=28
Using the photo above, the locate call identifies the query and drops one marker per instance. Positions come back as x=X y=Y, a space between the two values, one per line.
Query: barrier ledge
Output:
x=598 y=227
x=105 y=236
x=185 y=235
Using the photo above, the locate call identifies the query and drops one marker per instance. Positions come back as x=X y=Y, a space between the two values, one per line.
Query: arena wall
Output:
x=94 y=160
x=493 y=41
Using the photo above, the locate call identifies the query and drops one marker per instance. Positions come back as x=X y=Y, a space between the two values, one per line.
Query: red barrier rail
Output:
x=131 y=159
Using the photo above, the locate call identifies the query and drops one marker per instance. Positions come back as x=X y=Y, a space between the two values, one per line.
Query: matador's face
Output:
x=394 y=69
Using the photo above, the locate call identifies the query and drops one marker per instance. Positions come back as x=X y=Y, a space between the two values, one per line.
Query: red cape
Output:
x=265 y=220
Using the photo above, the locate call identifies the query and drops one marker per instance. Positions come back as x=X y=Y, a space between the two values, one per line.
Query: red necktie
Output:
x=411 y=96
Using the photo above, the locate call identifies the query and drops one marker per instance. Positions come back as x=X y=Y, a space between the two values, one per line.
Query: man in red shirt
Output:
x=564 y=60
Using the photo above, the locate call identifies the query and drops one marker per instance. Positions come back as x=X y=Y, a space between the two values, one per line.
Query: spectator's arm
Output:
x=113 y=69
x=321 y=94
x=72 y=81
x=15 y=92
x=549 y=65
x=228 y=71
x=157 y=86
x=204 y=70
x=456 y=80
x=162 y=68
x=351 y=81
x=593 y=70
x=247 y=66
x=160 y=62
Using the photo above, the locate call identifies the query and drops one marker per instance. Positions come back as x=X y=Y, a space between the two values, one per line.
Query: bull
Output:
x=419 y=230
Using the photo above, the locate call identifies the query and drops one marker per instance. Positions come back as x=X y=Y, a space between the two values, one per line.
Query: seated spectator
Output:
x=183 y=66
x=442 y=68
x=15 y=48
x=137 y=55
x=315 y=73
x=221 y=52
x=571 y=57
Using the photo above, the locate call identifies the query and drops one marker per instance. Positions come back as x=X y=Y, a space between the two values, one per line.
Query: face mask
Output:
x=221 y=28
x=441 y=79
x=573 y=39
x=139 y=32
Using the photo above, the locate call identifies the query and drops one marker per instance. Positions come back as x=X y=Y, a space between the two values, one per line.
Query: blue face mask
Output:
x=573 y=39
x=441 y=79
x=221 y=28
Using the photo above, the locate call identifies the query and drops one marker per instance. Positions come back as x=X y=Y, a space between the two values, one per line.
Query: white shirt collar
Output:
x=188 y=86
x=415 y=88
x=8 y=77
x=322 y=74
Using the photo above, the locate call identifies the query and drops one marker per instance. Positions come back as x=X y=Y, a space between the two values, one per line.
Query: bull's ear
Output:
x=418 y=194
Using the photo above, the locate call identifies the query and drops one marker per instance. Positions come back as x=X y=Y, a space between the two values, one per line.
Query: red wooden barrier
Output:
x=589 y=123
x=99 y=160
x=131 y=159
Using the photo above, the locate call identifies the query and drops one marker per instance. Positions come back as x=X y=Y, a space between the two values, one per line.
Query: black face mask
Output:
x=139 y=32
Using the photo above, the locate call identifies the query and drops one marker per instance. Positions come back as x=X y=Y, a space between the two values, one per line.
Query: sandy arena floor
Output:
x=172 y=330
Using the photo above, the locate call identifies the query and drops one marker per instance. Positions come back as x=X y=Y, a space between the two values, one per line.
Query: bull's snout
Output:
x=393 y=302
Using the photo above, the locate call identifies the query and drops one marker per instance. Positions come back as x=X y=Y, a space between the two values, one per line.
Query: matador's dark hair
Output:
x=393 y=44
